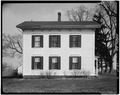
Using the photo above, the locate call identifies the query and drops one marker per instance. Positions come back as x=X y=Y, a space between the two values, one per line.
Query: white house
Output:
x=58 y=47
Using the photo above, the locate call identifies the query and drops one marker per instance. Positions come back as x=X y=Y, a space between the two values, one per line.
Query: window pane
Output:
x=37 y=59
x=37 y=38
x=37 y=44
x=74 y=66
x=54 y=66
x=54 y=60
x=75 y=40
x=35 y=65
x=74 y=60
x=54 y=41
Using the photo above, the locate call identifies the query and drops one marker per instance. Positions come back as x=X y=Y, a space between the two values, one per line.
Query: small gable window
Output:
x=37 y=62
x=75 y=40
x=37 y=40
x=54 y=41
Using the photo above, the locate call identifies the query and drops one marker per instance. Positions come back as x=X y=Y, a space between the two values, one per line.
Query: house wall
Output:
x=87 y=51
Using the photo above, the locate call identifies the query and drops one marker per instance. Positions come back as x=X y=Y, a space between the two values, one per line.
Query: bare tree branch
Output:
x=11 y=43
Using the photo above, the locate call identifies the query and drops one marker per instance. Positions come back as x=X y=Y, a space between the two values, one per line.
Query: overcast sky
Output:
x=14 y=14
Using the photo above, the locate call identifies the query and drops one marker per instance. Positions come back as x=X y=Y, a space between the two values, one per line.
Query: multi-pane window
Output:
x=37 y=41
x=75 y=62
x=75 y=41
x=54 y=62
x=37 y=62
x=54 y=41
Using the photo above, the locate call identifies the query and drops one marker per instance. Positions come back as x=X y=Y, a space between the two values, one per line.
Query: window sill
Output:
x=37 y=69
x=37 y=47
x=54 y=47
x=74 y=69
x=54 y=69
x=74 y=47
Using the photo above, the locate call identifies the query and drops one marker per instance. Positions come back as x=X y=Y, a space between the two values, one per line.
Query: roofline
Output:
x=51 y=25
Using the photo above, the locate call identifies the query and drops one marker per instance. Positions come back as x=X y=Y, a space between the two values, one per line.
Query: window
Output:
x=37 y=41
x=54 y=62
x=54 y=41
x=37 y=62
x=75 y=41
x=75 y=63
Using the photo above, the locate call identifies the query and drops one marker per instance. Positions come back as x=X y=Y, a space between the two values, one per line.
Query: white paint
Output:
x=115 y=62
x=20 y=69
x=87 y=51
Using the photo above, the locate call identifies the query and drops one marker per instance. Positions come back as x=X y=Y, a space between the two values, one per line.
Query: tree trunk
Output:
x=106 y=67
x=101 y=66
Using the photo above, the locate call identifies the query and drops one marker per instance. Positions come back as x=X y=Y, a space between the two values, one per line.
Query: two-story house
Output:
x=58 y=47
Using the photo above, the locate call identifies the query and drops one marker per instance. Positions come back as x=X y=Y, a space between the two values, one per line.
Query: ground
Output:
x=105 y=84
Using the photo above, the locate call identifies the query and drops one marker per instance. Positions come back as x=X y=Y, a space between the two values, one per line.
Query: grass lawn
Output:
x=105 y=84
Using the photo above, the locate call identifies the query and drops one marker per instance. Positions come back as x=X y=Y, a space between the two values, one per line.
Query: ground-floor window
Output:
x=54 y=62
x=37 y=62
x=74 y=62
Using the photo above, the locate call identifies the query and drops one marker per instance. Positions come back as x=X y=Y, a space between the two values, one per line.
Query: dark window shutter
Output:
x=50 y=63
x=59 y=39
x=33 y=40
x=79 y=62
x=59 y=62
x=41 y=41
x=79 y=41
x=41 y=63
x=70 y=63
x=32 y=63
x=50 y=39
x=70 y=40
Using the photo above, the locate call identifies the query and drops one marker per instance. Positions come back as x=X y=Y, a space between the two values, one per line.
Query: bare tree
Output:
x=107 y=12
x=80 y=13
x=11 y=45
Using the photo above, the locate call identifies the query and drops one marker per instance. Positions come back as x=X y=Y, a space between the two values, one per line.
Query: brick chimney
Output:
x=59 y=16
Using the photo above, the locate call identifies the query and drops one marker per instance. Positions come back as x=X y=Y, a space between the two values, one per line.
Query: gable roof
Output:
x=58 y=25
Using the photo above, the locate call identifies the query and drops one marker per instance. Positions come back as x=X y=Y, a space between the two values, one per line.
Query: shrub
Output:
x=42 y=74
x=80 y=72
x=48 y=74
x=16 y=74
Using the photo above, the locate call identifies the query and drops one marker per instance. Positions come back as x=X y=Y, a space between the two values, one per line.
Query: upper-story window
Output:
x=37 y=40
x=54 y=62
x=75 y=62
x=37 y=62
x=75 y=40
x=54 y=41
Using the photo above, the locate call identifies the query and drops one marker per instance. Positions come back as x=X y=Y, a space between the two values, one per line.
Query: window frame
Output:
x=58 y=63
x=72 y=42
x=40 y=63
x=71 y=63
x=40 y=42
x=51 y=41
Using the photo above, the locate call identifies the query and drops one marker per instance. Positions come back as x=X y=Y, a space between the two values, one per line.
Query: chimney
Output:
x=59 y=16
